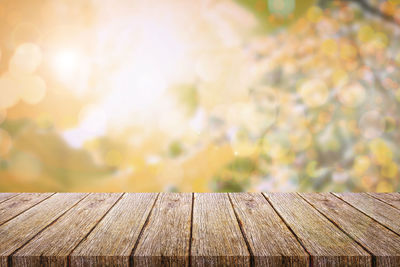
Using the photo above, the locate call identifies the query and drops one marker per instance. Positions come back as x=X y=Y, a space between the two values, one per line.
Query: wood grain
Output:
x=52 y=246
x=166 y=237
x=211 y=229
x=378 y=240
x=216 y=236
x=327 y=245
x=381 y=212
x=18 y=231
x=112 y=240
x=6 y=196
x=18 y=204
x=390 y=198
x=270 y=240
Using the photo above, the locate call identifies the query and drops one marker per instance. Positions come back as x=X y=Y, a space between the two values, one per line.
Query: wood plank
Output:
x=166 y=237
x=327 y=245
x=18 y=204
x=6 y=196
x=378 y=240
x=216 y=236
x=381 y=212
x=111 y=242
x=52 y=246
x=16 y=232
x=390 y=198
x=270 y=240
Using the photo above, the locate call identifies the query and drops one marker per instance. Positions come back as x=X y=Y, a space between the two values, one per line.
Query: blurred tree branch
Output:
x=366 y=6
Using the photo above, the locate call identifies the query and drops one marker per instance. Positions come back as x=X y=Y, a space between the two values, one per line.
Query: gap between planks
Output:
x=377 y=240
x=40 y=230
x=112 y=206
x=290 y=229
x=340 y=228
x=47 y=226
x=36 y=200
x=383 y=198
x=193 y=199
x=374 y=218
x=242 y=231
x=7 y=196
x=142 y=230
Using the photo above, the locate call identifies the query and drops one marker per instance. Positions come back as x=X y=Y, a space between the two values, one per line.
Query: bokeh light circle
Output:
x=9 y=91
x=26 y=59
x=314 y=93
x=314 y=14
x=33 y=89
x=352 y=95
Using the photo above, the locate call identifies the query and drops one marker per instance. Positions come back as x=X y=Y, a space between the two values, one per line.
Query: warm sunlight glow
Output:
x=209 y=95
x=147 y=58
x=65 y=63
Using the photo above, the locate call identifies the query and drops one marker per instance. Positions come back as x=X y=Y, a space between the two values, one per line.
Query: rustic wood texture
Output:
x=383 y=244
x=18 y=231
x=112 y=241
x=270 y=240
x=18 y=204
x=53 y=245
x=390 y=198
x=327 y=245
x=376 y=209
x=6 y=196
x=165 y=239
x=216 y=236
x=212 y=229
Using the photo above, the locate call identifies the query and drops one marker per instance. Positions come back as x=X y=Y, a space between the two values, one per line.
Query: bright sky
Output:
x=141 y=50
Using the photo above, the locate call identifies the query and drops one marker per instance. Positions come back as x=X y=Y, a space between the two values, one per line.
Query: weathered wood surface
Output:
x=376 y=209
x=326 y=244
x=260 y=222
x=18 y=204
x=15 y=233
x=390 y=198
x=383 y=244
x=6 y=196
x=172 y=229
x=111 y=242
x=53 y=245
x=165 y=240
x=216 y=236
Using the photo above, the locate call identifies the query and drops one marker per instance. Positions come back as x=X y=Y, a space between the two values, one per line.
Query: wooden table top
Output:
x=200 y=229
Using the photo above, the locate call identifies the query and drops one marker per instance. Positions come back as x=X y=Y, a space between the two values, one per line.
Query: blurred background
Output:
x=210 y=95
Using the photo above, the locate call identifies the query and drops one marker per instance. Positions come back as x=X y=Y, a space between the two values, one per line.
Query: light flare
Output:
x=65 y=63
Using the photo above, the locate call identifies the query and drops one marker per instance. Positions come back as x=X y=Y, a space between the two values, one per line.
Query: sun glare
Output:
x=65 y=63
x=147 y=57
x=188 y=95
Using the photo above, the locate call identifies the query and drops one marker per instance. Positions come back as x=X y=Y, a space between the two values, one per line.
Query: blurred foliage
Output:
x=275 y=14
x=241 y=95
x=188 y=98
x=242 y=166
x=234 y=176
x=175 y=149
